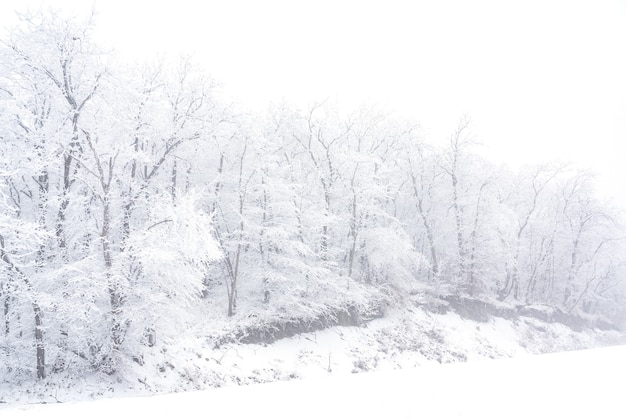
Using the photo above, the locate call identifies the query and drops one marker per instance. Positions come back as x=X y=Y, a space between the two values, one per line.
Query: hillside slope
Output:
x=404 y=338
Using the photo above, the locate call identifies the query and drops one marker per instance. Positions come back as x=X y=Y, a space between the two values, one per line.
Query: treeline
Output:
x=135 y=198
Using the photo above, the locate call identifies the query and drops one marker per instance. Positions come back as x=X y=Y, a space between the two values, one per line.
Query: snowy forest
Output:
x=136 y=200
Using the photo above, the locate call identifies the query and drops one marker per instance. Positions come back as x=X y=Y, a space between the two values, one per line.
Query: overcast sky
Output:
x=541 y=80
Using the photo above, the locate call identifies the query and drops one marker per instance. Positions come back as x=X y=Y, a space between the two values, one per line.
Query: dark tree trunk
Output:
x=41 y=350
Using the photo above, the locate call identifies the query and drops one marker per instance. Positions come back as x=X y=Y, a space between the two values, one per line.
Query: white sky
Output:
x=541 y=80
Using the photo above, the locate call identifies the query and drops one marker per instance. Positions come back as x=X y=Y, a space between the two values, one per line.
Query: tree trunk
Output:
x=7 y=323
x=65 y=200
x=474 y=242
x=39 y=335
x=458 y=215
x=115 y=297
x=39 y=343
x=429 y=232
x=174 y=179
x=353 y=232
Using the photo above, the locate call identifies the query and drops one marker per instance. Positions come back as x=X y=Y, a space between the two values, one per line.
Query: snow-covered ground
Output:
x=403 y=339
x=573 y=384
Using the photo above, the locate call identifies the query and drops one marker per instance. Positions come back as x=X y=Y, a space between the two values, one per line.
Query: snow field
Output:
x=573 y=384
